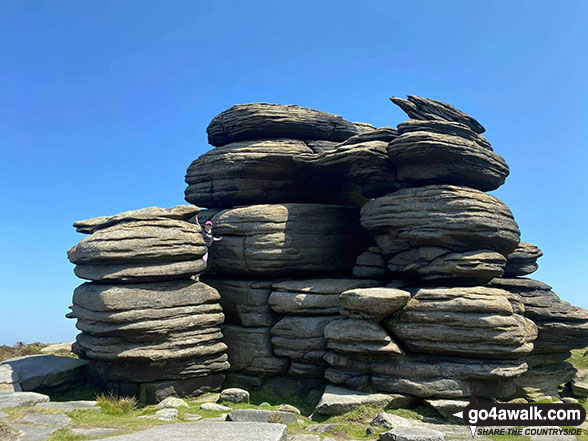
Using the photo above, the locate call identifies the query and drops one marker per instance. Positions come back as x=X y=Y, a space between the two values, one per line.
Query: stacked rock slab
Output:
x=148 y=329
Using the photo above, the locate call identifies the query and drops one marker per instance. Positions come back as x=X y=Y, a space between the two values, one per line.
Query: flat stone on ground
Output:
x=412 y=434
x=337 y=400
x=42 y=419
x=95 y=432
x=215 y=407
x=68 y=406
x=18 y=399
x=207 y=431
x=31 y=432
x=262 y=416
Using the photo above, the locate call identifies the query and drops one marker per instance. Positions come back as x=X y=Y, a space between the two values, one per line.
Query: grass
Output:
x=7 y=433
x=577 y=358
x=20 y=349
x=113 y=405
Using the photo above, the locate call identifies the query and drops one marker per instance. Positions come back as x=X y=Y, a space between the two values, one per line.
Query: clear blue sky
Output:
x=103 y=105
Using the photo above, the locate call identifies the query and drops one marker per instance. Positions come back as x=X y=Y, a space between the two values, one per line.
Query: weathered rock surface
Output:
x=264 y=120
x=337 y=400
x=312 y=296
x=245 y=302
x=46 y=372
x=172 y=403
x=250 y=350
x=360 y=337
x=372 y=303
x=471 y=321
x=460 y=156
x=209 y=431
x=428 y=109
x=442 y=232
x=286 y=239
x=523 y=260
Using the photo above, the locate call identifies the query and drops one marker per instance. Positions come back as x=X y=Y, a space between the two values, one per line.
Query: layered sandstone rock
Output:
x=442 y=232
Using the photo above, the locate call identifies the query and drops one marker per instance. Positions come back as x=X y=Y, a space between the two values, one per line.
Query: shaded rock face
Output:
x=370 y=264
x=523 y=260
x=286 y=239
x=263 y=120
x=143 y=319
x=263 y=171
x=442 y=232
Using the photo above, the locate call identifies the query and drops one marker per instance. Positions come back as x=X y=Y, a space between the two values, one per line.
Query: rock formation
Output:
x=369 y=258
x=148 y=329
x=372 y=257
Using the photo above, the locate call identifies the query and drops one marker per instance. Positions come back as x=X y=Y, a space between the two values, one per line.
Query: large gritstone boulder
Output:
x=286 y=240
x=440 y=152
x=263 y=120
x=442 y=232
x=148 y=329
x=523 y=260
x=468 y=322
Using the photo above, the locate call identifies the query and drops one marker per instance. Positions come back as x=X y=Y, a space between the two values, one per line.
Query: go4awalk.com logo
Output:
x=523 y=418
